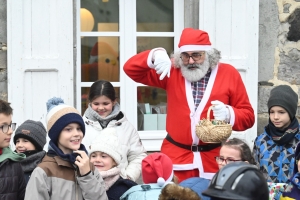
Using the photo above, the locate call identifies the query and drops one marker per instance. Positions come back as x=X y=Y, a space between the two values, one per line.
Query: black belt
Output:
x=194 y=147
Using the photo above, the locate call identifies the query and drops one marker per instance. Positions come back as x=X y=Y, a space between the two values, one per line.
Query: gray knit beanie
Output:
x=284 y=96
x=34 y=131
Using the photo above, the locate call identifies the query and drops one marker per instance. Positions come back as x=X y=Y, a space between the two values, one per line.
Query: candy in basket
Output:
x=213 y=131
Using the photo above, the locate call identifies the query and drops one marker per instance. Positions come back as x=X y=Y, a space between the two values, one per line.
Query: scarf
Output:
x=282 y=137
x=33 y=158
x=93 y=115
x=7 y=153
x=55 y=151
x=0 y=151
x=110 y=176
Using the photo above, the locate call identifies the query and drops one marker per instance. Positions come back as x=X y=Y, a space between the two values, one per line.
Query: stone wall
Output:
x=3 y=54
x=280 y=26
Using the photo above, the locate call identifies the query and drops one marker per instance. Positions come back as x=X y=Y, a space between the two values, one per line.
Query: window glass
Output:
x=145 y=43
x=152 y=102
x=100 y=59
x=155 y=15
x=100 y=15
x=152 y=108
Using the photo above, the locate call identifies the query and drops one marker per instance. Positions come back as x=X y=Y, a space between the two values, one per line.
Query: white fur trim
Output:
x=161 y=181
x=183 y=167
x=93 y=59
x=185 y=48
x=170 y=177
x=191 y=167
x=232 y=115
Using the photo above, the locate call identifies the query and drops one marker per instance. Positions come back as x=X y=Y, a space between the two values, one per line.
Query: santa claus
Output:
x=195 y=81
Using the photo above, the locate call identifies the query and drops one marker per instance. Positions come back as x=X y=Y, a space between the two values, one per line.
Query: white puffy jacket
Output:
x=133 y=151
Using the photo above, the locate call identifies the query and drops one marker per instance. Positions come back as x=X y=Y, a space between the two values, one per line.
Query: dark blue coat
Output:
x=197 y=184
x=119 y=188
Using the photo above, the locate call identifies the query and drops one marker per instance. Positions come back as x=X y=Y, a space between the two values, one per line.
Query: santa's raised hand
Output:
x=162 y=63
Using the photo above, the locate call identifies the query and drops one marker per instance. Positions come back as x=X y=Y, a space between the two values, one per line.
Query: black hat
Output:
x=238 y=181
x=34 y=131
x=284 y=96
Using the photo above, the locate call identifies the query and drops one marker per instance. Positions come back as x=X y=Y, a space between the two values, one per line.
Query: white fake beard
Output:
x=194 y=72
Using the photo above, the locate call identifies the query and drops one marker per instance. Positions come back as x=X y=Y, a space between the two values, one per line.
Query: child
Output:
x=157 y=171
x=65 y=171
x=30 y=139
x=233 y=150
x=274 y=149
x=12 y=183
x=104 y=111
x=105 y=156
x=238 y=180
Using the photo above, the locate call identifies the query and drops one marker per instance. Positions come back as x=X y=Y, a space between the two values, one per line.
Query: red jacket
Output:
x=225 y=84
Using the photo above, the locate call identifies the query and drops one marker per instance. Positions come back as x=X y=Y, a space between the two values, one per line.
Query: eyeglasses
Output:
x=6 y=127
x=221 y=160
x=185 y=57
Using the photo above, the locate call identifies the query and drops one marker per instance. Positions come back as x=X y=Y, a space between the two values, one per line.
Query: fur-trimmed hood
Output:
x=173 y=191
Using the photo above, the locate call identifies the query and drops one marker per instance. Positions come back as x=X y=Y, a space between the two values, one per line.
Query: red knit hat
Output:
x=157 y=168
x=194 y=40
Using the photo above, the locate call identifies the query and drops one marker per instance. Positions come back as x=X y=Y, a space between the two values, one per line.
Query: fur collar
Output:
x=176 y=192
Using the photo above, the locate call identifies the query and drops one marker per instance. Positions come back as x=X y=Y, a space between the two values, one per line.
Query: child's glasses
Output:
x=227 y=160
x=6 y=127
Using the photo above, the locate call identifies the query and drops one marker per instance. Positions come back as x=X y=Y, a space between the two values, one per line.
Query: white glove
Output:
x=220 y=111
x=162 y=63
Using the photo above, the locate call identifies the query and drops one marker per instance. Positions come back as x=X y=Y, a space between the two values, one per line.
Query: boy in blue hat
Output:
x=65 y=172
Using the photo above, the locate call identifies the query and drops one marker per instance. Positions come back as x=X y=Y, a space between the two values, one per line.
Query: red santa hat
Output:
x=194 y=40
x=157 y=168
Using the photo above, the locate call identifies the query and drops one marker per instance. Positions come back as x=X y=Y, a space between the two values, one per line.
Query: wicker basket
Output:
x=214 y=131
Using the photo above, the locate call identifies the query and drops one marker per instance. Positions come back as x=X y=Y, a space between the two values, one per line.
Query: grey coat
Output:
x=55 y=178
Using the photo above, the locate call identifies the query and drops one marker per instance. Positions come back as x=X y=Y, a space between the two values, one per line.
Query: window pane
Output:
x=145 y=43
x=152 y=108
x=155 y=15
x=155 y=97
x=100 y=59
x=100 y=15
x=85 y=97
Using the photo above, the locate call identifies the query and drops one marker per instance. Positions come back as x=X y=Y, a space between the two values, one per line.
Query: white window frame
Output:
x=128 y=47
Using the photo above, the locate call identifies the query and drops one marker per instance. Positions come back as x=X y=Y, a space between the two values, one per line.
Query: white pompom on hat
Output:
x=194 y=40
x=157 y=168
x=107 y=142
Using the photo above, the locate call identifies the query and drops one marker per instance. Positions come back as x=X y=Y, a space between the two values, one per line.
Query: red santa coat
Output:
x=225 y=84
